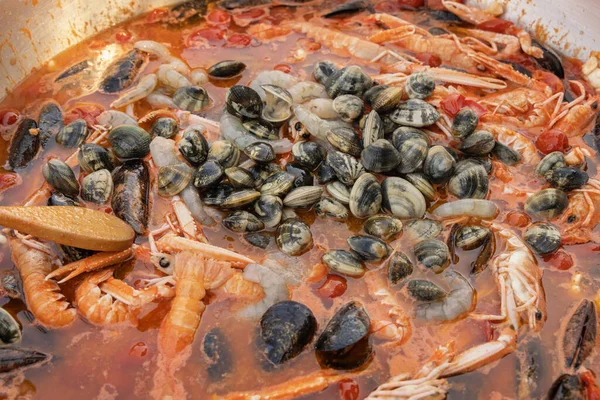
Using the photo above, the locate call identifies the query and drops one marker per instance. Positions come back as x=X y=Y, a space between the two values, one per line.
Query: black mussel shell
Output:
x=12 y=358
x=579 y=338
x=567 y=387
x=122 y=73
x=24 y=145
x=216 y=349
x=130 y=196
x=550 y=61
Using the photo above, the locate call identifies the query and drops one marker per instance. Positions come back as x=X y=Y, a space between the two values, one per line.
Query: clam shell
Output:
x=549 y=162
x=387 y=99
x=73 y=134
x=260 y=152
x=465 y=122
x=372 y=128
x=469 y=181
x=339 y=191
x=93 y=157
x=567 y=178
x=224 y=152
x=226 y=69
x=421 y=182
x=380 y=157
x=366 y=197
x=369 y=248
x=349 y=107
x=240 y=198
x=419 y=85
x=172 y=179
x=278 y=184
x=478 y=143
x=242 y=221
x=543 y=237
x=209 y=173
x=243 y=102
x=547 y=203
x=323 y=70
x=433 y=254
x=423 y=290
x=345 y=140
x=269 y=209
x=61 y=177
x=346 y=168
x=309 y=154
x=399 y=268
x=294 y=237
x=382 y=226
x=240 y=177
x=129 y=141
x=348 y=80
x=402 y=199
x=193 y=145
x=304 y=196
x=191 y=98
x=97 y=187
x=415 y=113
x=439 y=164
x=331 y=208
x=344 y=262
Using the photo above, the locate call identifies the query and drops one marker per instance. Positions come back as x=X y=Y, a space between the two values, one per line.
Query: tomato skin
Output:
x=334 y=286
x=203 y=35
x=238 y=40
x=455 y=102
x=497 y=25
x=86 y=111
x=552 y=140
x=560 y=260
x=138 y=350
x=8 y=180
x=433 y=60
x=251 y=14
x=589 y=381
x=8 y=117
x=549 y=79
x=412 y=3
x=123 y=36
x=283 y=68
x=349 y=389
x=518 y=219
x=218 y=17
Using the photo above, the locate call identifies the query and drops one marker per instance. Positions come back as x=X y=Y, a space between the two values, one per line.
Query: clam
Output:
x=59 y=199
x=50 y=121
x=73 y=134
x=303 y=177
x=309 y=154
x=421 y=182
x=10 y=332
x=191 y=98
x=164 y=127
x=567 y=178
x=208 y=174
x=365 y=197
x=415 y=113
x=93 y=157
x=469 y=181
x=216 y=348
x=24 y=145
x=369 y=248
x=130 y=196
x=339 y=191
x=420 y=229
x=261 y=129
x=372 y=128
x=278 y=184
x=258 y=239
x=412 y=146
x=399 y=268
x=242 y=221
x=344 y=343
x=224 y=152
x=215 y=195
x=478 y=143
x=243 y=102
x=423 y=290
x=286 y=328
x=260 y=152
x=543 y=237
x=419 y=85
x=348 y=80
x=302 y=197
x=269 y=209
x=349 y=107
x=294 y=237
x=471 y=237
x=97 y=187
x=193 y=145
x=384 y=227
x=402 y=199
x=551 y=161
x=386 y=99
x=240 y=177
x=344 y=262
x=465 y=122
x=325 y=174
x=278 y=102
x=547 y=203
x=323 y=70
x=226 y=69
x=505 y=154
x=261 y=172
x=331 y=208
x=380 y=157
x=129 y=141
x=345 y=140
x=433 y=254
x=240 y=198
x=372 y=93
x=172 y=179
x=346 y=168
x=438 y=164
x=61 y=177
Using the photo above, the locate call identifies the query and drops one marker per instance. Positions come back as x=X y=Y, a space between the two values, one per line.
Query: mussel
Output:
x=10 y=332
x=433 y=254
x=226 y=69
x=24 y=145
x=402 y=199
x=121 y=74
x=129 y=141
x=216 y=349
x=415 y=113
x=286 y=328
x=242 y=221
x=369 y=248
x=130 y=197
x=97 y=187
x=399 y=267
x=193 y=145
x=579 y=336
x=344 y=343
x=61 y=177
x=294 y=237
x=50 y=121
x=382 y=226
x=365 y=197
x=14 y=358
x=567 y=387
x=191 y=98
x=423 y=290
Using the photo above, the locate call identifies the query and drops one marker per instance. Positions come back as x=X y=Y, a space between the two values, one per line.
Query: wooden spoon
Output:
x=71 y=226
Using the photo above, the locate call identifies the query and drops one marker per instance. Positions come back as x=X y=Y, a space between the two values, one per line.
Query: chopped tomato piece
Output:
x=123 y=36
x=334 y=286
x=589 y=381
x=238 y=40
x=201 y=36
x=497 y=25
x=349 y=389
x=433 y=60
x=251 y=14
x=552 y=140
x=86 y=111
x=8 y=180
x=560 y=260
x=139 y=350
x=9 y=117
x=553 y=81
x=455 y=102
x=518 y=219
x=218 y=17
x=283 y=68
x=437 y=4
x=412 y=3
x=157 y=15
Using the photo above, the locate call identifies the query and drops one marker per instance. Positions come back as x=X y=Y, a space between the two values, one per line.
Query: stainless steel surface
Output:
x=34 y=31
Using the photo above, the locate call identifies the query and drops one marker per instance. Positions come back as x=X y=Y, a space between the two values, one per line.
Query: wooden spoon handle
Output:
x=72 y=226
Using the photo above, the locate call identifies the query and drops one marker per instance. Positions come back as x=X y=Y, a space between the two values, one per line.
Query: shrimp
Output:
x=516 y=141
x=591 y=71
x=579 y=119
x=241 y=288
x=304 y=91
x=112 y=118
x=580 y=217
x=273 y=284
x=277 y=78
x=511 y=45
x=163 y=54
x=232 y=129
x=322 y=108
x=160 y=100
x=395 y=327
x=144 y=87
x=455 y=304
x=168 y=76
x=198 y=77
x=171 y=243
x=43 y=297
x=187 y=223
x=519 y=281
x=89 y=264
x=317 y=126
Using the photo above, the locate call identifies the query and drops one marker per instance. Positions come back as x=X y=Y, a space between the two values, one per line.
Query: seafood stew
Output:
x=359 y=199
